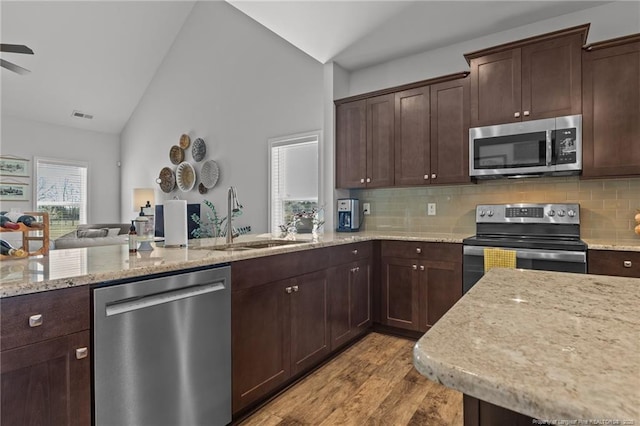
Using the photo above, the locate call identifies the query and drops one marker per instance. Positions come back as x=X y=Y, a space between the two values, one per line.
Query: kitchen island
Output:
x=552 y=346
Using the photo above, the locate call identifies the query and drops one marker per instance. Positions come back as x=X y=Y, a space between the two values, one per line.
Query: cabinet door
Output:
x=611 y=118
x=495 y=88
x=450 y=132
x=351 y=144
x=380 y=140
x=552 y=78
x=412 y=137
x=440 y=289
x=340 y=304
x=400 y=301
x=44 y=383
x=361 y=297
x=260 y=341
x=309 y=321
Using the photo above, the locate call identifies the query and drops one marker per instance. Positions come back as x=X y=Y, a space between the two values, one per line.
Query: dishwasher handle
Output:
x=128 y=305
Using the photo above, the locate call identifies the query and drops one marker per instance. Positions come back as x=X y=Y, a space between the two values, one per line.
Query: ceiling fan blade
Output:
x=15 y=48
x=13 y=67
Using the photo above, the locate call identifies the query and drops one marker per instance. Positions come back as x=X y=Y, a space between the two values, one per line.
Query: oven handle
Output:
x=549 y=148
x=533 y=254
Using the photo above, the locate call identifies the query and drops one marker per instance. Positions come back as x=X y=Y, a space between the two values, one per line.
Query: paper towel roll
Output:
x=175 y=223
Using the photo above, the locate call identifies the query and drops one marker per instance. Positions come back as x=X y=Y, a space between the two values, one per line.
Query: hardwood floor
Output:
x=371 y=383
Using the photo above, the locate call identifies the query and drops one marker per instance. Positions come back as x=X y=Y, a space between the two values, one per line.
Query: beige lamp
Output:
x=143 y=201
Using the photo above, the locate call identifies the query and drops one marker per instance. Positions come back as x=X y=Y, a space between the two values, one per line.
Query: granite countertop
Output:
x=548 y=345
x=81 y=266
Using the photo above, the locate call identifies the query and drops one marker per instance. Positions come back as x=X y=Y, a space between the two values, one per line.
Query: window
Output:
x=294 y=179
x=61 y=190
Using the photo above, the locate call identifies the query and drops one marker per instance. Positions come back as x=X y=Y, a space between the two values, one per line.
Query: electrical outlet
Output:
x=431 y=209
x=366 y=208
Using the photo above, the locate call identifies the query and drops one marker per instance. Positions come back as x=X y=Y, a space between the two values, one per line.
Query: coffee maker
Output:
x=348 y=215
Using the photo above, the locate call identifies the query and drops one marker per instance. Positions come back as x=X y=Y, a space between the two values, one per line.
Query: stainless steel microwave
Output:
x=547 y=147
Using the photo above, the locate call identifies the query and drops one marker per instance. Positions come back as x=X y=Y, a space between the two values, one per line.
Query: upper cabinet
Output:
x=611 y=108
x=539 y=77
x=410 y=135
x=364 y=143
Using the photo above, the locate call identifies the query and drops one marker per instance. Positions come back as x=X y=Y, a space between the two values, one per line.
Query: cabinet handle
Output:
x=357 y=269
x=433 y=175
x=526 y=113
x=422 y=267
x=362 y=180
x=426 y=177
x=288 y=290
x=415 y=267
x=354 y=251
x=627 y=264
x=353 y=270
x=82 y=353
x=368 y=180
x=35 y=320
x=295 y=288
x=418 y=250
x=516 y=114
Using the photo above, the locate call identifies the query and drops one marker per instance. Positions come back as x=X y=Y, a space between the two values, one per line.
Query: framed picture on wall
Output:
x=14 y=191
x=14 y=166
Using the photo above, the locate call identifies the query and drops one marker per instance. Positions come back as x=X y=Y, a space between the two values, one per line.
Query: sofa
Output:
x=101 y=234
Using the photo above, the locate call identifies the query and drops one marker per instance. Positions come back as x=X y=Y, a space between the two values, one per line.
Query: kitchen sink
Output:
x=251 y=245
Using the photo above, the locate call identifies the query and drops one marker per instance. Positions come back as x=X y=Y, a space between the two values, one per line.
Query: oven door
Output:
x=541 y=260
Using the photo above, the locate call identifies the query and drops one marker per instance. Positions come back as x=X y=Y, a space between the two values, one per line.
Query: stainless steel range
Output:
x=544 y=236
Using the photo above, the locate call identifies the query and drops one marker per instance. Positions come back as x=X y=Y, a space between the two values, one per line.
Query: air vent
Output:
x=79 y=114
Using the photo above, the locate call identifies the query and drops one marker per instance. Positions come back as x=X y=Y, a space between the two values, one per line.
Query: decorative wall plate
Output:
x=166 y=180
x=209 y=174
x=185 y=176
x=199 y=149
x=176 y=155
x=185 y=141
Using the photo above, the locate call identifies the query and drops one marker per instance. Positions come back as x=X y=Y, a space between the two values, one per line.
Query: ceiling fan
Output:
x=14 y=48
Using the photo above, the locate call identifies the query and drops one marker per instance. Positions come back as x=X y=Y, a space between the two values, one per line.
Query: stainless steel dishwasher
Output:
x=162 y=350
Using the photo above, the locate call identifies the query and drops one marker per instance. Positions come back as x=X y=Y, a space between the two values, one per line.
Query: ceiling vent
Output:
x=79 y=114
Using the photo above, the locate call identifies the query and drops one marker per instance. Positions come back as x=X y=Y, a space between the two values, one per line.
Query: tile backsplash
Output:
x=607 y=207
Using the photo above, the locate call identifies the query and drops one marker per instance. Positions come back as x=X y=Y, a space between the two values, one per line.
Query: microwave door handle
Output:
x=549 y=147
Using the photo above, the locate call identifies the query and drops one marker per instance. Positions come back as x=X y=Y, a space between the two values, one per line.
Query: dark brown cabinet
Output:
x=350 y=297
x=364 y=143
x=420 y=282
x=530 y=79
x=278 y=330
x=611 y=108
x=413 y=137
x=45 y=373
x=616 y=263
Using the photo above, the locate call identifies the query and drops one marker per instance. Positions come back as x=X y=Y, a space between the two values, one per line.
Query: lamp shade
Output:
x=141 y=196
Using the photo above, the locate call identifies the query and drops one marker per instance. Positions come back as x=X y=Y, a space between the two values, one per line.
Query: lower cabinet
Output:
x=45 y=373
x=616 y=263
x=420 y=282
x=278 y=330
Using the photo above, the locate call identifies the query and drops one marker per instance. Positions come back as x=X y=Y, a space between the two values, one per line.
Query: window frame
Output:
x=293 y=139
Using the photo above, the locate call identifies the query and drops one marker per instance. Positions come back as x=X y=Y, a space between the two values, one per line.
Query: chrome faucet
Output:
x=233 y=206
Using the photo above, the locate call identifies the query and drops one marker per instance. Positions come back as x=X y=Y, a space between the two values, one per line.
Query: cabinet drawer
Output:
x=450 y=252
x=349 y=252
x=617 y=263
x=61 y=312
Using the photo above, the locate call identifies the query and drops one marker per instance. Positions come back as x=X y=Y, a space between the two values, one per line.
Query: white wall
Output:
x=27 y=138
x=607 y=21
x=235 y=84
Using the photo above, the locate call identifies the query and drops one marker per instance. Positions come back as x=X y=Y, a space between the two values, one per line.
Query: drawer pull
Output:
x=35 y=320
x=354 y=251
x=82 y=353
x=289 y=290
x=421 y=267
x=627 y=264
x=295 y=288
x=418 y=250
x=414 y=267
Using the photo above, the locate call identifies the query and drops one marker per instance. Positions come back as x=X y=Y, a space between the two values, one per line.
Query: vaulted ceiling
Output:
x=98 y=57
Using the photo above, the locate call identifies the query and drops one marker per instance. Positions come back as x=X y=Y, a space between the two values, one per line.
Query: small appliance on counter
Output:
x=348 y=215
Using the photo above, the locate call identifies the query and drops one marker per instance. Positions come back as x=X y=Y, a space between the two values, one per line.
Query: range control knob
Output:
x=482 y=213
x=561 y=213
x=571 y=213
x=490 y=213
x=551 y=213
